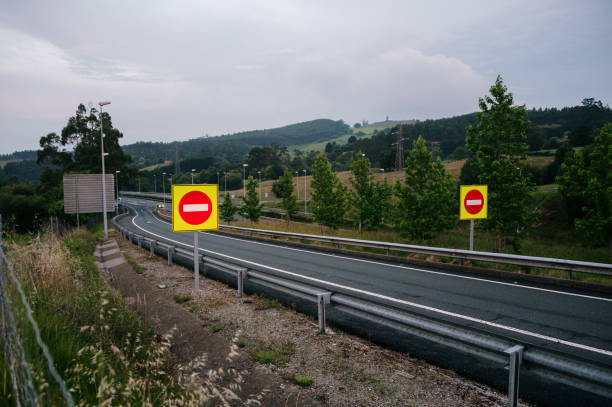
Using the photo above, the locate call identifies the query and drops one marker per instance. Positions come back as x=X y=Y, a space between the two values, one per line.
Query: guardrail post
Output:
x=569 y=274
x=170 y=254
x=516 y=356
x=152 y=247
x=139 y=238
x=322 y=300
x=241 y=275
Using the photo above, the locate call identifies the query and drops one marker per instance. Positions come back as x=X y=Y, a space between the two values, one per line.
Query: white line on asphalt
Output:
x=440 y=273
x=396 y=300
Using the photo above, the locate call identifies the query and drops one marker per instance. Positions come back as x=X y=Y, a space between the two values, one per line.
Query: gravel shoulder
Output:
x=283 y=345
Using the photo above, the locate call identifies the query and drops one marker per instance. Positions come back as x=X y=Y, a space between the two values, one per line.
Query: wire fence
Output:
x=16 y=361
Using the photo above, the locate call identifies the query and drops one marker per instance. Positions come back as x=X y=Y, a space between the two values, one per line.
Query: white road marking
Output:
x=513 y=284
x=195 y=207
x=473 y=202
x=396 y=300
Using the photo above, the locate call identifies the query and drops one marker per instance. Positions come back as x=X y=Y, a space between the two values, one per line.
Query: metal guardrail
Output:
x=540 y=262
x=571 y=371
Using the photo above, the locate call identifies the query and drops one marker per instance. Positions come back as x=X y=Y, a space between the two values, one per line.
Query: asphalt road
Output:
x=569 y=321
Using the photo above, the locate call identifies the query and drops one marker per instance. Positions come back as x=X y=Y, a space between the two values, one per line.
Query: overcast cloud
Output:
x=180 y=70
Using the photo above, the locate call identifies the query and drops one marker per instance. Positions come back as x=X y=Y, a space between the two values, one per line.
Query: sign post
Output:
x=195 y=208
x=473 y=205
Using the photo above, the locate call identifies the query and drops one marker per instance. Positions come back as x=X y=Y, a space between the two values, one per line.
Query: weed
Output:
x=269 y=304
x=240 y=343
x=264 y=357
x=215 y=328
x=302 y=380
x=135 y=266
x=217 y=319
x=180 y=299
x=193 y=308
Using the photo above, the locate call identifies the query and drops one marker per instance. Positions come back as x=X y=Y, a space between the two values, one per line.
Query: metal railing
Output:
x=569 y=266
x=567 y=370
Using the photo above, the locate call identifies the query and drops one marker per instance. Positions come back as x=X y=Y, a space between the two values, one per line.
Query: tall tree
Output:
x=498 y=143
x=427 y=202
x=328 y=194
x=251 y=208
x=227 y=210
x=370 y=199
x=588 y=180
x=284 y=190
x=78 y=147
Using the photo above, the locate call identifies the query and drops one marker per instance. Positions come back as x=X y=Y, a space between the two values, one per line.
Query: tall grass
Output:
x=103 y=351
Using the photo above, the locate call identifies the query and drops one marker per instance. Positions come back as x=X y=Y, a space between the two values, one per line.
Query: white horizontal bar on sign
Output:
x=195 y=208
x=473 y=202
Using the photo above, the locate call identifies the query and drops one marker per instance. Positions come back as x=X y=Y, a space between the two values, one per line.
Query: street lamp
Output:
x=192 y=170
x=117 y=185
x=297 y=184
x=104 y=103
x=155 y=182
x=383 y=172
x=138 y=184
x=164 y=187
x=244 y=179
x=225 y=181
x=259 y=173
x=218 y=179
x=305 y=196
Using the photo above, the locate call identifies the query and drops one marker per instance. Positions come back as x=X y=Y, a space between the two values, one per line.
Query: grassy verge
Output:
x=104 y=352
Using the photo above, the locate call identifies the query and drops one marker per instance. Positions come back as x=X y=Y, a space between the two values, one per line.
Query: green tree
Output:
x=227 y=209
x=587 y=179
x=78 y=149
x=370 y=199
x=328 y=194
x=498 y=144
x=284 y=190
x=427 y=202
x=251 y=208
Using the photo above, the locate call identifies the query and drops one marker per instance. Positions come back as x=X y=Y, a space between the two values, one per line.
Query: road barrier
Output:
x=576 y=372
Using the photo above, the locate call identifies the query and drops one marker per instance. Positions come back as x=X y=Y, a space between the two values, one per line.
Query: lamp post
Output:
x=155 y=182
x=305 y=192
x=259 y=173
x=225 y=182
x=383 y=172
x=164 y=187
x=117 y=185
x=192 y=170
x=138 y=184
x=244 y=179
x=297 y=184
x=218 y=179
x=104 y=103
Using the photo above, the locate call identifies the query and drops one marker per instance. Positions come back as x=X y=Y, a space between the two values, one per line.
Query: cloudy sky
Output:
x=175 y=70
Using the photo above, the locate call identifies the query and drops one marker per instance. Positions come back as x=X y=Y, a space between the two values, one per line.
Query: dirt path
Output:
x=239 y=334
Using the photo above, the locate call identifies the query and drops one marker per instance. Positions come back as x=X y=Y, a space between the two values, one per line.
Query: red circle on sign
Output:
x=195 y=207
x=473 y=202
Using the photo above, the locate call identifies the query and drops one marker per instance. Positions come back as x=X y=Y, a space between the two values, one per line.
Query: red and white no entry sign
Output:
x=195 y=207
x=473 y=203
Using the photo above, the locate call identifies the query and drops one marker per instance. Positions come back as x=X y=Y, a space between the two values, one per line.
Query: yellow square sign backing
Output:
x=473 y=202
x=195 y=207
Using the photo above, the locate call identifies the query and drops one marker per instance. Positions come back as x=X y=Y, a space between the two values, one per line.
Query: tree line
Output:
x=425 y=203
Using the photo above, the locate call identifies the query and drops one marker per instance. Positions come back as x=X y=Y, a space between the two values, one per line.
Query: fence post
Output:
x=322 y=300
x=152 y=247
x=242 y=274
x=139 y=238
x=170 y=254
x=516 y=356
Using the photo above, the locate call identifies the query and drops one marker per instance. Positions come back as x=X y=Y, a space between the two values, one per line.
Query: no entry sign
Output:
x=194 y=207
x=473 y=202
